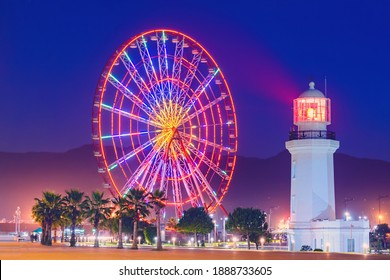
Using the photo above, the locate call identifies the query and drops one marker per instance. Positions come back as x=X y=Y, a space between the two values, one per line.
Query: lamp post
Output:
x=224 y=229
x=346 y=200
x=17 y=221
x=215 y=229
x=380 y=197
x=269 y=217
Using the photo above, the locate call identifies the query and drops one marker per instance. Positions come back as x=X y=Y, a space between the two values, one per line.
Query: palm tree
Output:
x=96 y=210
x=158 y=201
x=74 y=208
x=47 y=211
x=63 y=223
x=121 y=208
x=139 y=208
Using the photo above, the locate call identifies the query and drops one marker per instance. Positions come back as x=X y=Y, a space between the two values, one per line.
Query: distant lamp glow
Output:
x=327 y=247
x=262 y=241
x=365 y=248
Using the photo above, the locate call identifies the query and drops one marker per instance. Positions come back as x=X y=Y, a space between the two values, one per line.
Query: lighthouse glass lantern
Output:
x=311 y=112
x=311 y=109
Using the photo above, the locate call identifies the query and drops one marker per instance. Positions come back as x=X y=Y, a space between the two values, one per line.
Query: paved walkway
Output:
x=35 y=251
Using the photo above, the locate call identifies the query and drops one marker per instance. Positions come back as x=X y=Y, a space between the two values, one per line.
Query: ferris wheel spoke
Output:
x=149 y=68
x=184 y=174
x=177 y=197
x=129 y=115
x=201 y=88
x=192 y=168
x=129 y=134
x=141 y=169
x=149 y=185
x=205 y=184
x=164 y=182
x=162 y=59
x=204 y=108
x=176 y=69
x=132 y=153
x=181 y=128
x=223 y=174
x=155 y=171
x=208 y=143
x=139 y=81
x=129 y=95
x=189 y=77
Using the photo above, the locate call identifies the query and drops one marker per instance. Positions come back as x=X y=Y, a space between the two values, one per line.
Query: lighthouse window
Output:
x=312 y=109
x=293 y=169
x=293 y=204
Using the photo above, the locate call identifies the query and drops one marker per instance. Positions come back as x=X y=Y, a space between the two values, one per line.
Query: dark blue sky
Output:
x=52 y=53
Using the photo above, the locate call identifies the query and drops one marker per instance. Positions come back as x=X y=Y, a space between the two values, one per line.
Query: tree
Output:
x=158 y=201
x=121 y=208
x=97 y=210
x=379 y=236
x=63 y=223
x=138 y=208
x=150 y=232
x=247 y=221
x=75 y=204
x=195 y=220
x=47 y=211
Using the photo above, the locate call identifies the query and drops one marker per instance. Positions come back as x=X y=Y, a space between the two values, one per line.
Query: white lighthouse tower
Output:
x=312 y=207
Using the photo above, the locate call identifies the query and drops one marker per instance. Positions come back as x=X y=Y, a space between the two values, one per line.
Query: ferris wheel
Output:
x=164 y=118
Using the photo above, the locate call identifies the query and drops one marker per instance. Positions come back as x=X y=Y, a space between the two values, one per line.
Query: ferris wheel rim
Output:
x=104 y=80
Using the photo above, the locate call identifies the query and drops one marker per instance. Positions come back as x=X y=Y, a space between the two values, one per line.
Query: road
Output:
x=35 y=251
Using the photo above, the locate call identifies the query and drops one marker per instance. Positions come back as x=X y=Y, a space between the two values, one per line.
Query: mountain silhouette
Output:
x=260 y=183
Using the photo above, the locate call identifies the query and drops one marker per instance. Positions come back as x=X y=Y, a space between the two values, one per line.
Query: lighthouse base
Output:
x=330 y=236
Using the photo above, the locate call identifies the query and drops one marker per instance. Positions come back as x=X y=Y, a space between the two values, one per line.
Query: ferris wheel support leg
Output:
x=224 y=210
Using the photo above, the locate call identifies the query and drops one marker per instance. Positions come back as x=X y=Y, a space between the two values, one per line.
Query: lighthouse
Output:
x=313 y=220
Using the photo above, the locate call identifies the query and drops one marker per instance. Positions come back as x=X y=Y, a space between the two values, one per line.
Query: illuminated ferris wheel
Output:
x=164 y=118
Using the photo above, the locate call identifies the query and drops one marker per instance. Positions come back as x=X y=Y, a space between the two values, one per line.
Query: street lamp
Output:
x=215 y=229
x=224 y=229
x=365 y=247
x=269 y=217
x=234 y=242
x=262 y=240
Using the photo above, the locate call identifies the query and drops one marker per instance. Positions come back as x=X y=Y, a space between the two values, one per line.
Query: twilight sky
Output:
x=52 y=53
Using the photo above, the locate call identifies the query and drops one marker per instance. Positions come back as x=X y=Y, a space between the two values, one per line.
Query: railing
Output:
x=312 y=134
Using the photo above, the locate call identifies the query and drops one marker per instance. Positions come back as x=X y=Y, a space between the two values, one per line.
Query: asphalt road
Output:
x=35 y=251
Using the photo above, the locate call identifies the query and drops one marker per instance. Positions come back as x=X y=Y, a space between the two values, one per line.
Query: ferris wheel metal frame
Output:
x=163 y=118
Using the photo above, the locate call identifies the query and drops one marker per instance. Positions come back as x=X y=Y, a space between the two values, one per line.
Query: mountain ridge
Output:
x=256 y=182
